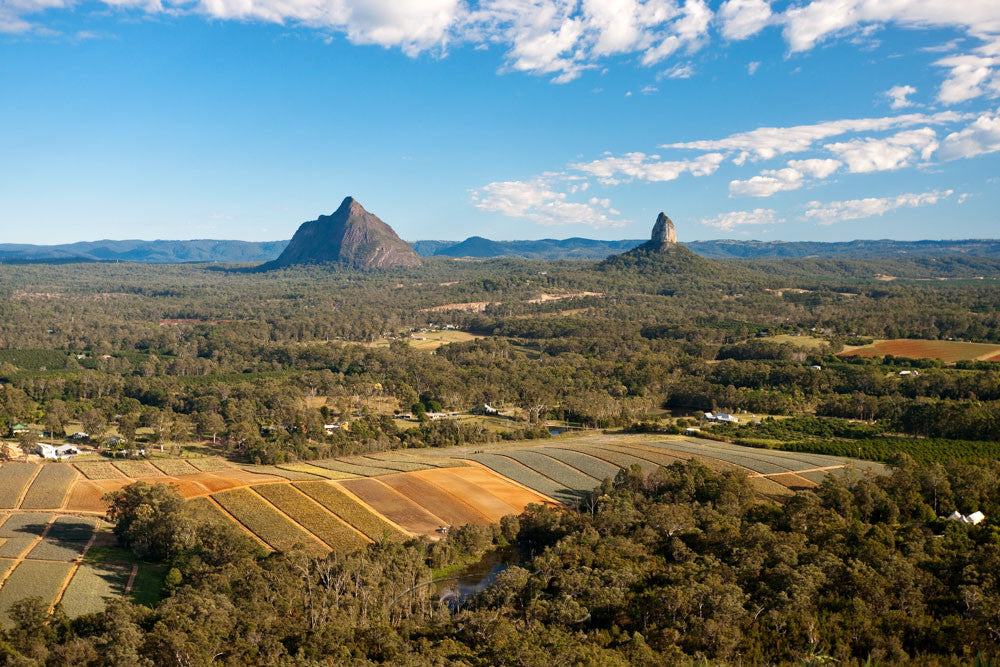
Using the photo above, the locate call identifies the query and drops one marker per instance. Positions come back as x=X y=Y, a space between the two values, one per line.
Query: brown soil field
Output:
x=394 y=506
x=435 y=500
x=948 y=351
x=480 y=484
x=545 y=298
x=85 y=495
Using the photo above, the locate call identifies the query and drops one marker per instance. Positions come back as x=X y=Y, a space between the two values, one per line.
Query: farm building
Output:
x=49 y=451
x=17 y=429
x=722 y=418
x=330 y=428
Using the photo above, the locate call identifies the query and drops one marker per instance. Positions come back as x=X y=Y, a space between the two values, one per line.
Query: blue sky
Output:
x=810 y=120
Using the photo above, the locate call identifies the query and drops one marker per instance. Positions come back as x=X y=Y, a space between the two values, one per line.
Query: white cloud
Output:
x=769 y=142
x=792 y=177
x=536 y=200
x=678 y=71
x=855 y=209
x=752 y=67
x=981 y=136
x=899 y=95
x=971 y=75
x=743 y=18
x=613 y=170
x=899 y=150
x=733 y=219
x=649 y=90
x=807 y=24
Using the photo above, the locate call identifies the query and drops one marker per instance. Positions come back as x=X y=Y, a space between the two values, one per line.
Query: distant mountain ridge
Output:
x=229 y=251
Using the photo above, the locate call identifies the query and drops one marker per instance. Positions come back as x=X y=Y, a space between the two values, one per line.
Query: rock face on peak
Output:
x=663 y=231
x=350 y=235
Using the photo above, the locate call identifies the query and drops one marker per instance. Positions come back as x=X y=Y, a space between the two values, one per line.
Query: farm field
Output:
x=93 y=585
x=449 y=507
x=263 y=520
x=99 y=470
x=432 y=340
x=363 y=518
x=49 y=487
x=489 y=493
x=394 y=506
x=14 y=477
x=334 y=532
x=948 y=351
x=39 y=578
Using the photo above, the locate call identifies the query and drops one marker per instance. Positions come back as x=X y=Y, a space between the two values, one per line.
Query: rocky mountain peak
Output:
x=350 y=235
x=663 y=231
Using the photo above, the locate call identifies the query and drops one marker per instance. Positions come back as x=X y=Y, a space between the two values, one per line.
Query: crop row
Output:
x=13 y=478
x=522 y=475
x=137 y=469
x=618 y=457
x=316 y=471
x=275 y=471
x=352 y=468
x=32 y=578
x=210 y=464
x=98 y=470
x=93 y=586
x=49 y=487
x=553 y=469
x=311 y=516
x=264 y=521
x=335 y=500
x=174 y=466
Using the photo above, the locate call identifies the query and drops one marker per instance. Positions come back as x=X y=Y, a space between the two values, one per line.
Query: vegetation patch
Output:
x=453 y=510
x=394 y=506
x=93 y=585
x=295 y=475
x=523 y=475
x=337 y=534
x=210 y=464
x=98 y=470
x=264 y=521
x=348 y=509
x=13 y=478
x=48 y=490
x=32 y=578
x=66 y=540
x=315 y=471
x=138 y=469
x=352 y=468
x=174 y=466
x=588 y=465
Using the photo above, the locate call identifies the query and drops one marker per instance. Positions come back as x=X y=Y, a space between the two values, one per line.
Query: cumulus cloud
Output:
x=970 y=76
x=613 y=170
x=808 y=24
x=743 y=18
x=899 y=150
x=769 y=182
x=769 y=142
x=678 y=71
x=855 y=209
x=538 y=200
x=899 y=95
x=733 y=219
x=752 y=67
x=979 y=137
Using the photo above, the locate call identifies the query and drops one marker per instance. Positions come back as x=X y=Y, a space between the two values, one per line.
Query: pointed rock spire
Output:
x=663 y=231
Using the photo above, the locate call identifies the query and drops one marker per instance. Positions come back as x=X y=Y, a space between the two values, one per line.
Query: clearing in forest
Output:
x=948 y=351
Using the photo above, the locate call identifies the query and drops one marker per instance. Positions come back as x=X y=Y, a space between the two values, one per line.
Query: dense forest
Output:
x=681 y=566
x=241 y=359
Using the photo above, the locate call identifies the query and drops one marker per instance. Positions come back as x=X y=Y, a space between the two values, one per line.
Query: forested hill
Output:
x=206 y=250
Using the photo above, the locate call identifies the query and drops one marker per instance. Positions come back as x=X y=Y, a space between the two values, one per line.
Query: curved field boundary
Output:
x=360 y=471
x=553 y=469
x=316 y=471
x=410 y=456
x=137 y=469
x=210 y=464
x=394 y=506
x=353 y=511
x=793 y=481
x=522 y=474
x=336 y=533
x=14 y=481
x=208 y=509
x=453 y=509
x=585 y=463
x=395 y=464
x=616 y=457
x=284 y=473
x=744 y=460
x=802 y=459
x=49 y=488
x=729 y=452
x=659 y=457
x=267 y=522
x=490 y=494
